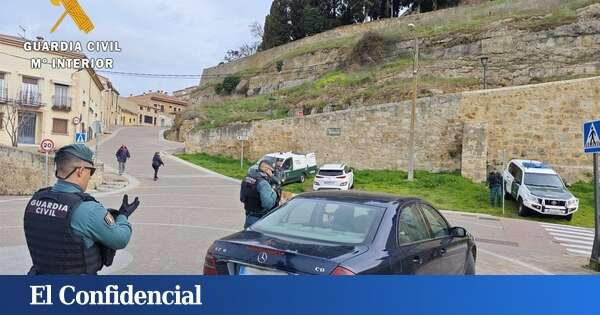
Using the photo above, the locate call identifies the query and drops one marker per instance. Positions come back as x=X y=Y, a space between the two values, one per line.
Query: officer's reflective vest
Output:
x=250 y=196
x=53 y=247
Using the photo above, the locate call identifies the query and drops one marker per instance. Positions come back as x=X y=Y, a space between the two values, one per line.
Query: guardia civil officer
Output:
x=67 y=231
x=257 y=192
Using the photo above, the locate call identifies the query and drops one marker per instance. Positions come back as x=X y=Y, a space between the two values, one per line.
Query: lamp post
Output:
x=484 y=63
x=411 y=149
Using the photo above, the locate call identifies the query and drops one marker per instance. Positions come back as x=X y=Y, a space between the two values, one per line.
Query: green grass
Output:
x=447 y=191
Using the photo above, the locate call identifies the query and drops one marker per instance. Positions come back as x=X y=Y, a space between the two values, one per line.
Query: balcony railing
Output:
x=29 y=98
x=61 y=103
x=3 y=95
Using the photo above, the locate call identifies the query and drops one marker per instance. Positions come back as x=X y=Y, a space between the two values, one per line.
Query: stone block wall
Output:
x=22 y=172
x=456 y=132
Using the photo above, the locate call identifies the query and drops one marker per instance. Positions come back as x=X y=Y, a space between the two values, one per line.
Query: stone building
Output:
x=158 y=108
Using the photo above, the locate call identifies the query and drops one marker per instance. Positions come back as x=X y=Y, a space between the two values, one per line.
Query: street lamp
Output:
x=411 y=149
x=484 y=63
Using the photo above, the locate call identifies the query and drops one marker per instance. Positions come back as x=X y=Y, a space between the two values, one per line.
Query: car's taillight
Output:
x=210 y=265
x=341 y=271
x=341 y=177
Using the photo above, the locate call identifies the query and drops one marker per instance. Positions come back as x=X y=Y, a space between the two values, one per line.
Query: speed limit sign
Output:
x=76 y=121
x=47 y=145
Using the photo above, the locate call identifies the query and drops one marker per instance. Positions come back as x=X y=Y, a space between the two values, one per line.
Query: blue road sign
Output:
x=80 y=137
x=591 y=140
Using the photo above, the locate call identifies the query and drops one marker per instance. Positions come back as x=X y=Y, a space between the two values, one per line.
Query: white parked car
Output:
x=537 y=187
x=334 y=176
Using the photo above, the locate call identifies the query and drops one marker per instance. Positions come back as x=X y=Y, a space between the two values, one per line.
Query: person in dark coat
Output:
x=122 y=156
x=157 y=162
x=494 y=182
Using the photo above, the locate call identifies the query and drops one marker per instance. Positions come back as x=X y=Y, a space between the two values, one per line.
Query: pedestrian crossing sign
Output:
x=591 y=140
x=80 y=137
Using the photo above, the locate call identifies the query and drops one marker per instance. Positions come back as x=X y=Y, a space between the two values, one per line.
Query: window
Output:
x=3 y=91
x=543 y=180
x=439 y=227
x=162 y=108
x=518 y=175
x=512 y=169
x=61 y=95
x=323 y=220
x=30 y=91
x=59 y=126
x=331 y=172
x=411 y=227
x=287 y=165
x=1 y=120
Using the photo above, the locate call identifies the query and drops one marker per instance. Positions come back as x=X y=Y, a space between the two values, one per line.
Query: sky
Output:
x=155 y=36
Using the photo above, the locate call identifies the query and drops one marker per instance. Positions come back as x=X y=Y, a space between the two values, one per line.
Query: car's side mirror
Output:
x=458 y=232
x=568 y=185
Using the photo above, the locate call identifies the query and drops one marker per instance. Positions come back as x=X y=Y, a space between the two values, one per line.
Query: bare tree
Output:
x=257 y=30
x=246 y=50
x=12 y=120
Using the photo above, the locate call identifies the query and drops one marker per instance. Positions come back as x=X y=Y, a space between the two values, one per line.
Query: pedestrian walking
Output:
x=122 y=156
x=67 y=231
x=157 y=162
x=257 y=192
x=494 y=182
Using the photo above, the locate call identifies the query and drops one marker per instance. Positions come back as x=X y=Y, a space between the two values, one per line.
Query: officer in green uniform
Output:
x=67 y=230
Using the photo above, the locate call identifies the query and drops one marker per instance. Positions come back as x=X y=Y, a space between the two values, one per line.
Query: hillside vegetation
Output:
x=378 y=69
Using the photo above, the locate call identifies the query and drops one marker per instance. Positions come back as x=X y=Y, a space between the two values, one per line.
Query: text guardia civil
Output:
x=114 y=295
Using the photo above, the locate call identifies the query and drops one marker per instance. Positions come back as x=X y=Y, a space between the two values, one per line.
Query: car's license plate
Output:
x=330 y=183
x=249 y=271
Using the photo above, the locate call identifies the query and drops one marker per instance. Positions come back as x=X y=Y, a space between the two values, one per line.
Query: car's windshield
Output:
x=331 y=172
x=322 y=220
x=543 y=180
x=270 y=159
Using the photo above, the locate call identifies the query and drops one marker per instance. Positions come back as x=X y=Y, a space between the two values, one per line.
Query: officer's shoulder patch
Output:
x=109 y=219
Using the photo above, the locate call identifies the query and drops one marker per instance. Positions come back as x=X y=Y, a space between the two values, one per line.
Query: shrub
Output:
x=228 y=86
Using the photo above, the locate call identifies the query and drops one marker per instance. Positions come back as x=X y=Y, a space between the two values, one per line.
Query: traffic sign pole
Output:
x=47 y=173
x=47 y=145
x=595 y=259
x=242 y=156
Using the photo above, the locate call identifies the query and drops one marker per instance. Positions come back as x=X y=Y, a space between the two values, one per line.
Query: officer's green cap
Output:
x=80 y=151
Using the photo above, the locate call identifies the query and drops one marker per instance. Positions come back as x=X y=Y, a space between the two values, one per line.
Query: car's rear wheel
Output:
x=470 y=264
x=522 y=210
x=569 y=217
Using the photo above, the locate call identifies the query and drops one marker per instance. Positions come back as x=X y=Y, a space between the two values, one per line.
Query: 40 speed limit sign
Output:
x=47 y=145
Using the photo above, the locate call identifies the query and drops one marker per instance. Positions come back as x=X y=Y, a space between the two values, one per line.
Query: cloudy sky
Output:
x=156 y=36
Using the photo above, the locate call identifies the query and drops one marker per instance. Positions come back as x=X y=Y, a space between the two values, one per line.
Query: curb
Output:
x=200 y=168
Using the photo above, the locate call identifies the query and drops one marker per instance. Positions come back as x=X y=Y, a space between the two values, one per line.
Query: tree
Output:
x=12 y=120
x=277 y=29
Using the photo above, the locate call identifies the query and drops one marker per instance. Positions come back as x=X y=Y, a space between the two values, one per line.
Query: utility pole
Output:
x=413 y=112
x=595 y=259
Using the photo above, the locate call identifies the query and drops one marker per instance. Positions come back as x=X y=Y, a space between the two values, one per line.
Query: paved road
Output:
x=188 y=208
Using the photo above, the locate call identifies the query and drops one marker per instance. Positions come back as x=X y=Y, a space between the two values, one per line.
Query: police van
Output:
x=296 y=166
x=537 y=188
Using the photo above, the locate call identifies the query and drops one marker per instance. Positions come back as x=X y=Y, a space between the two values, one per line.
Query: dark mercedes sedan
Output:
x=346 y=233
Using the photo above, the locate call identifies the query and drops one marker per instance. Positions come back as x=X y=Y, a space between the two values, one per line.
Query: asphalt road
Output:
x=188 y=208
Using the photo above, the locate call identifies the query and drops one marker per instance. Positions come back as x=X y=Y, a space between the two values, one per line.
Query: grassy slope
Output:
x=447 y=191
x=373 y=85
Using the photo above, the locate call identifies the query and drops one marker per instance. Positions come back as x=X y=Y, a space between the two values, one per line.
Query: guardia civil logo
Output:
x=73 y=9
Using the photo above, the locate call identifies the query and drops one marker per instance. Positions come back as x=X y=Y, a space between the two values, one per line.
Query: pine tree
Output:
x=277 y=29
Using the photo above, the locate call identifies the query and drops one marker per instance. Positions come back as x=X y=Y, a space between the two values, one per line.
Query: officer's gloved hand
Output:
x=128 y=208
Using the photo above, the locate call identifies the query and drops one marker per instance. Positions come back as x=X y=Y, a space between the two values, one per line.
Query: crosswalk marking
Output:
x=577 y=241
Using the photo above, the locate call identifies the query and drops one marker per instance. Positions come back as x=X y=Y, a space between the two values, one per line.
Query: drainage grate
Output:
x=497 y=242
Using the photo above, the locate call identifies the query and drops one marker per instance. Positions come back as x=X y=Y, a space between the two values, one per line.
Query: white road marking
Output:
x=568 y=228
x=516 y=262
x=580 y=252
x=577 y=237
x=577 y=241
x=570 y=240
x=570 y=232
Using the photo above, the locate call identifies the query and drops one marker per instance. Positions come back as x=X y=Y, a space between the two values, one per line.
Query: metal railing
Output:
x=61 y=103
x=30 y=98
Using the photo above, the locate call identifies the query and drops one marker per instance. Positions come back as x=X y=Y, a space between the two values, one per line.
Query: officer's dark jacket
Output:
x=53 y=247
x=250 y=194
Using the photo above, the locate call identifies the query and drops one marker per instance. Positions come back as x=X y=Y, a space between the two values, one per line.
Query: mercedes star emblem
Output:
x=262 y=257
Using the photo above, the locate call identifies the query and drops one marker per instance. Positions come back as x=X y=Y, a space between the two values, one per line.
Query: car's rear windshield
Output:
x=323 y=220
x=331 y=172
x=543 y=180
